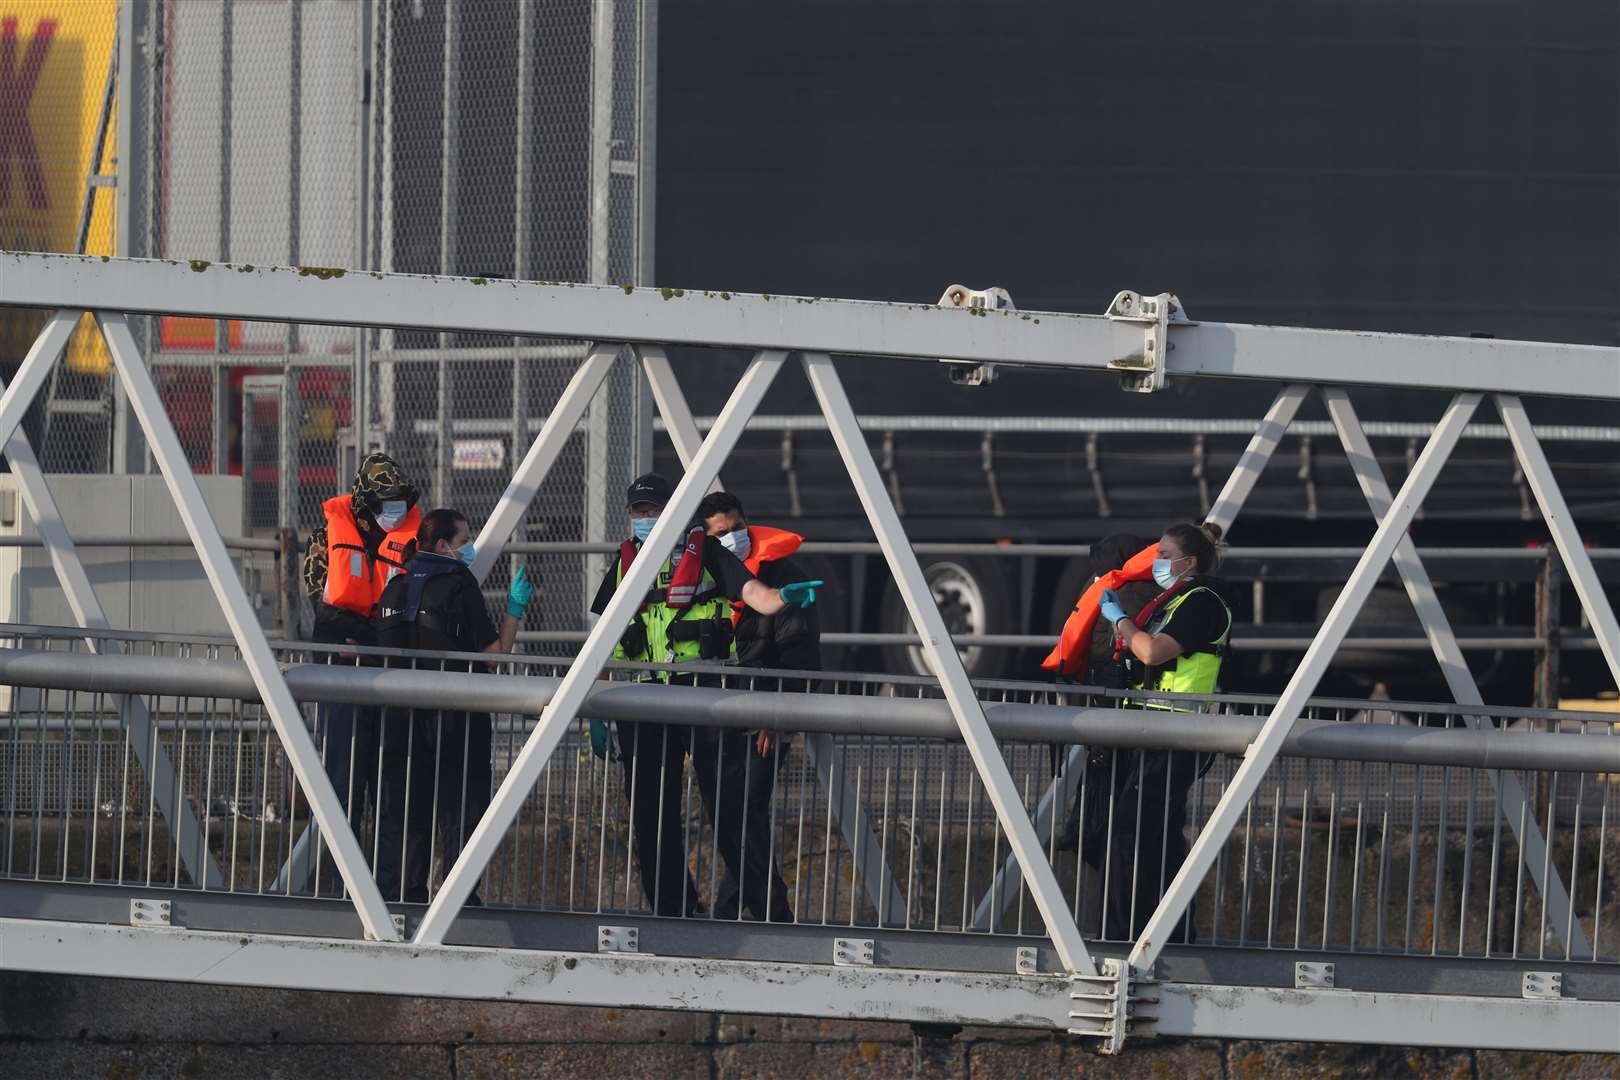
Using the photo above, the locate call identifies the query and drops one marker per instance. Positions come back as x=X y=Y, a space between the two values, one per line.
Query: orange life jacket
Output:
x=1072 y=654
x=765 y=544
x=354 y=580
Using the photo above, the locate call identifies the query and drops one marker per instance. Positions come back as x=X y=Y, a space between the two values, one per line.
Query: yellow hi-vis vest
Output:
x=657 y=617
x=1191 y=672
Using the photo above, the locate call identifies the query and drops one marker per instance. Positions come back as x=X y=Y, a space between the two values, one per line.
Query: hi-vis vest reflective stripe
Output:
x=354 y=580
x=1192 y=672
x=657 y=617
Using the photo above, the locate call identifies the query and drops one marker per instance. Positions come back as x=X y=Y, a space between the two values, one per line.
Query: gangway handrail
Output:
x=1211 y=732
x=734 y=674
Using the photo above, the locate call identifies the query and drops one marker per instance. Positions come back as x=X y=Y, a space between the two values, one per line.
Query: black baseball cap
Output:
x=649 y=488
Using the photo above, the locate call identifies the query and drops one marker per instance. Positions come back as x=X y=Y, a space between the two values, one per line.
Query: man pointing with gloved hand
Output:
x=685 y=616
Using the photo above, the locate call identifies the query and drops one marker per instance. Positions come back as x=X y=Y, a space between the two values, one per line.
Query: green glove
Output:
x=599 y=739
x=518 y=597
x=800 y=593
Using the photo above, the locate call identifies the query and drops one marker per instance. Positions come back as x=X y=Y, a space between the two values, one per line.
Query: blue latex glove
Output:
x=599 y=739
x=518 y=597
x=801 y=593
x=1110 y=607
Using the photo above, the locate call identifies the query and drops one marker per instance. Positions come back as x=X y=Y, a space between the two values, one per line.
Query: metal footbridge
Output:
x=1369 y=871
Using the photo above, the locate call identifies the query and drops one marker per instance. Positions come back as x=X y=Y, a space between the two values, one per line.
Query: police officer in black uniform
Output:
x=437 y=758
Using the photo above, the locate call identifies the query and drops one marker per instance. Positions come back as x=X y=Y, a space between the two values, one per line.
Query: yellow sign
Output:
x=54 y=57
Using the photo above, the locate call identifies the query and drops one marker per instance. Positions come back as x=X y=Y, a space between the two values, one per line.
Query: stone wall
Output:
x=54 y=1026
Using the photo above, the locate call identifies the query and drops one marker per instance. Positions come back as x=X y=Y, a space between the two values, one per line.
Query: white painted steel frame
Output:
x=946 y=662
x=190 y=839
x=595 y=652
x=629 y=980
x=284 y=712
x=1249 y=775
x=738 y=320
x=1437 y=627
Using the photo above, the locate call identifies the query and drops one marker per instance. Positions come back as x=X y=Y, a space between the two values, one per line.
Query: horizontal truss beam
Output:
x=792 y=989
x=763 y=321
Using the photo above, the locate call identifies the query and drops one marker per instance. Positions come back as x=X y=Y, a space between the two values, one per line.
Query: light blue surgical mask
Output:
x=738 y=542
x=1162 y=573
x=642 y=528
x=391 y=513
x=467 y=553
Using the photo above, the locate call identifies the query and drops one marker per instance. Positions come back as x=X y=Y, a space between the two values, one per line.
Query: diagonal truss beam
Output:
x=598 y=647
x=284 y=712
x=543 y=453
x=190 y=838
x=1257 y=455
x=947 y=663
x=1510 y=794
x=1577 y=563
x=854 y=823
x=1263 y=750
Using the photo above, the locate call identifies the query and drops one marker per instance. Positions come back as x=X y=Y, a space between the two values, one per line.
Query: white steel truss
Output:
x=777 y=328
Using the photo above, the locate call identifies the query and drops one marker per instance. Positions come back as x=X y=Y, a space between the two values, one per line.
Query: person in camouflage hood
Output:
x=375 y=517
x=378 y=479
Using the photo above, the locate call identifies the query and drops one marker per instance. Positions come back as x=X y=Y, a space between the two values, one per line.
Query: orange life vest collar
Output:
x=354 y=578
x=1072 y=653
x=766 y=544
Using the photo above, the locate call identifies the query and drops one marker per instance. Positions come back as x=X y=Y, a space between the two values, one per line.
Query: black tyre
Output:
x=975 y=597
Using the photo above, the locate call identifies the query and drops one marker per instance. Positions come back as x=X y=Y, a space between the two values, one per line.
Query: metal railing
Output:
x=1387 y=839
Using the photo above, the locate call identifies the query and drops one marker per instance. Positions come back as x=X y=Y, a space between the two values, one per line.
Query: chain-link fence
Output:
x=496 y=139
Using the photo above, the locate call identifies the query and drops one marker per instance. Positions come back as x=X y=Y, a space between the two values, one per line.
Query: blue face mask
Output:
x=467 y=553
x=642 y=528
x=1163 y=574
x=391 y=513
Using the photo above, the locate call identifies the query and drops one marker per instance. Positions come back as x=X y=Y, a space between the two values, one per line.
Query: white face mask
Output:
x=391 y=513
x=737 y=542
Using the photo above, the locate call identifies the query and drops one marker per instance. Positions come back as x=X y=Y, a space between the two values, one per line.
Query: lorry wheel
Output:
x=975 y=597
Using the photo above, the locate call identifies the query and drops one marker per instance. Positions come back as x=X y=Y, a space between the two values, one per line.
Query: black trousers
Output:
x=1141 y=852
x=435 y=782
x=735 y=784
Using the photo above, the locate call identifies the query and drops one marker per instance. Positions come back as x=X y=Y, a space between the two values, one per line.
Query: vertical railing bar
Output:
x=1574 y=865
x=149 y=840
x=1304 y=859
x=913 y=842
x=1275 y=883
x=1412 y=852
x=1518 y=888
x=99 y=706
x=1546 y=860
x=1468 y=861
x=1440 y=854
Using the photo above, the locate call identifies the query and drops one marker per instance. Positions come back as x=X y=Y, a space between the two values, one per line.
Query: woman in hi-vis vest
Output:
x=1174 y=645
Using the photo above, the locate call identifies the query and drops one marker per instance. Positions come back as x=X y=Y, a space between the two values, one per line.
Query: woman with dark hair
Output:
x=436 y=763
x=1174 y=644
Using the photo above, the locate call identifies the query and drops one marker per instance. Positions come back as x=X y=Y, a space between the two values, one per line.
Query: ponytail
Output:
x=1202 y=542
